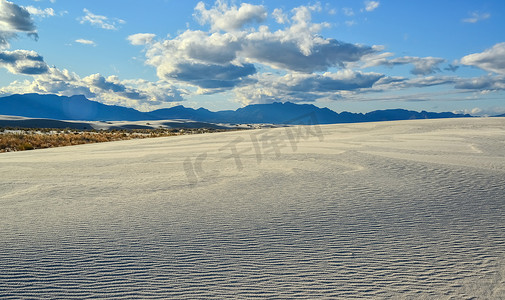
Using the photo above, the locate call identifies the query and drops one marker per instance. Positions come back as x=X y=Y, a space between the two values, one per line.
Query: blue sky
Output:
x=346 y=55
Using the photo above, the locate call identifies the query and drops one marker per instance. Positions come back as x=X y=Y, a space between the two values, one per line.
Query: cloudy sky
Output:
x=437 y=55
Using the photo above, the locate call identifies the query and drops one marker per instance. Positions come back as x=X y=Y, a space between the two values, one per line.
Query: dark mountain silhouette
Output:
x=402 y=114
x=181 y=112
x=82 y=109
x=275 y=113
x=65 y=108
x=290 y=113
x=502 y=115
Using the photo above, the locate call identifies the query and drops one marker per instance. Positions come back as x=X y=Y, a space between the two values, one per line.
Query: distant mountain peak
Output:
x=78 y=107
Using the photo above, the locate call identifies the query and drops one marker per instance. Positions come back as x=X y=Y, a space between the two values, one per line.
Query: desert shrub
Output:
x=25 y=146
x=28 y=139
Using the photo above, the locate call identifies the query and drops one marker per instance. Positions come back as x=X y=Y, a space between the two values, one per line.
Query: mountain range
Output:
x=82 y=109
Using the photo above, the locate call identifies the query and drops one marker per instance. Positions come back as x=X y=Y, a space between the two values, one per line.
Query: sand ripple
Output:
x=343 y=225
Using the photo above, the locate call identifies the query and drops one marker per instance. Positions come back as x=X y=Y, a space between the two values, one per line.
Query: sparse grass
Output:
x=16 y=139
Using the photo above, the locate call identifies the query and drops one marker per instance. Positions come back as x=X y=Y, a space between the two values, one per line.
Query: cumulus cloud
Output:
x=156 y=93
x=479 y=84
x=34 y=11
x=85 y=42
x=23 y=62
x=140 y=39
x=421 y=82
x=476 y=17
x=422 y=65
x=229 y=18
x=299 y=47
x=280 y=16
x=476 y=111
x=112 y=89
x=52 y=82
x=209 y=77
x=371 y=5
x=14 y=19
x=484 y=83
x=287 y=55
x=226 y=56
x=299 y=87
x=345 y=80
x=134 y=93
x=198 y=59
x=137 y=93
x=399 y=83
x=100 y=21
x=492 y=59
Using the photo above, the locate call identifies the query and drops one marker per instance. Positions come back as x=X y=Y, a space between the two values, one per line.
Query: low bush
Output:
x=15 y=139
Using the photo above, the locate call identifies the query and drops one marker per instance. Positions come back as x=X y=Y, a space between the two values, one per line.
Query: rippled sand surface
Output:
x=405 y=210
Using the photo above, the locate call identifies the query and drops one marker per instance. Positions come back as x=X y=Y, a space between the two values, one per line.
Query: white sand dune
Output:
x=405 y=210
x=24 y=122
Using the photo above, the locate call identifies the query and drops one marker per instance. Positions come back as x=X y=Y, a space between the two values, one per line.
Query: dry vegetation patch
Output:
x=15 y=139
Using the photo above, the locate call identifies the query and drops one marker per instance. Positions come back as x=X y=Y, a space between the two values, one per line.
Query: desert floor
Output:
x=407 y=210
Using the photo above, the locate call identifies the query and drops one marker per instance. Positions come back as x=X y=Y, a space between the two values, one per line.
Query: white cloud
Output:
x=141 y=38
x=422 y=65
x=52 y=82
x=85 y=42
x=479 y=84
x=14 y=19
x=300 y=51
x=229 y=18
x=371 y=5
x=100 y=21
x=111 y=90
x=492 y=59
x=23 y=62
x=421 y=82
x=215 y=61
x=280 y=16
x=296 y=87
x=198 y=59
x=210 y=78
x=484 y=83
x=348 y=11
x=156 y=93
x=299 y=46
x=486 y=112
x=476 y=17
x=48 y=12
x=476 y=111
